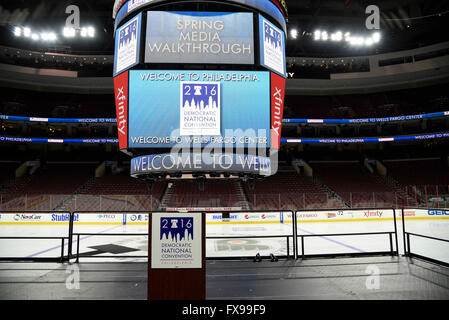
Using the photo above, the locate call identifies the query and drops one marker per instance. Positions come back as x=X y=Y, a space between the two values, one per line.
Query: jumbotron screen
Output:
x=222 y=108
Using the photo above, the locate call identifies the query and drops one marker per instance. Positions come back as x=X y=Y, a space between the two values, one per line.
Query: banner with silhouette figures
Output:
x=176 y=241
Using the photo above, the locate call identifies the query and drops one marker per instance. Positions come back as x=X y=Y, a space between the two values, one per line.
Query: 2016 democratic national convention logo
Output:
x=176 y=241
x=176 y=229
x=176 y=237
x=200 y=108
x=127 y=46
x=273 y=37
x=273 y=47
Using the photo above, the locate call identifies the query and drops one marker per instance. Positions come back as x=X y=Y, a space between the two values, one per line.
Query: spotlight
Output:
x=317 y=35
x=294 y=33
x=48 y=36
x=68 y=32
x=376 y=37
x=338 y=36
x=324 y=36
x=35 y=36
x=91 y=32
x=17 y=31
x=52 y=36
x=27 y=32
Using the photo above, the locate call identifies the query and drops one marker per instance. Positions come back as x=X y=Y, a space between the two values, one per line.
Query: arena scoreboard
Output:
x=199 y=91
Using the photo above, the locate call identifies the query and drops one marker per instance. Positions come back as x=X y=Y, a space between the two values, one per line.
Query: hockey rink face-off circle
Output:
x=242 y=235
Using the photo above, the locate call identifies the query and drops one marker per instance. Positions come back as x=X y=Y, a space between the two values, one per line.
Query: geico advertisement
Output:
x=184 y=108
x=199 y=37
x=256 y=217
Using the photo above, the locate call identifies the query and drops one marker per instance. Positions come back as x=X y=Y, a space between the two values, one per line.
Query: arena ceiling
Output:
x=404 y=24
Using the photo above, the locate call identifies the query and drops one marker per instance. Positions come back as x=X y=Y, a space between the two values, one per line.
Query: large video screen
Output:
x=169 y=108
x=199 y=37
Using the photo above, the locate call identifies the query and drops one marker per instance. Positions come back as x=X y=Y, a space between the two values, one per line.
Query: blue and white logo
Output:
x=438 y=213
x=272 y=37
x=128 y=34
x=272 y=44
x=127 y=45
x=176 y=229
x=200 y=108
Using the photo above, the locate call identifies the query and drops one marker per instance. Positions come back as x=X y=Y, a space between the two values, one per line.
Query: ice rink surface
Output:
x=99 y=243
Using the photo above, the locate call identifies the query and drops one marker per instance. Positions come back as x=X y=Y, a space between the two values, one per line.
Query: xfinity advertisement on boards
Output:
x=199 y=37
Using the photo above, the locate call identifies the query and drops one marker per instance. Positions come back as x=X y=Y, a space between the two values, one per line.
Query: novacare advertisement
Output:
x=169 y=108
x=176 y=241
x=199 y=37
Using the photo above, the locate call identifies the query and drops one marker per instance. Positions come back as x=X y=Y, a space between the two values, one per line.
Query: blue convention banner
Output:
x=46 y=140
x=272 y=47
x=371 y=120
x=368 y=140
x=127 y=45
x=169 y=108
x=199 y=37
x=317 y=121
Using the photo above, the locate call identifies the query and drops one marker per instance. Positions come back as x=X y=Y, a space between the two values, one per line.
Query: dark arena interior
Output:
x=349 y=199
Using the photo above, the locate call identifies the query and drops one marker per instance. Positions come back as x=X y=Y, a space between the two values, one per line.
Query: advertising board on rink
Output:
x=37 y=218
x=369 y=215
x=345 y=215
x=249 y=217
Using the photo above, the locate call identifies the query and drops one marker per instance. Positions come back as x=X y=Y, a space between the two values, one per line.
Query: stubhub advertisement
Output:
x=223 y=108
